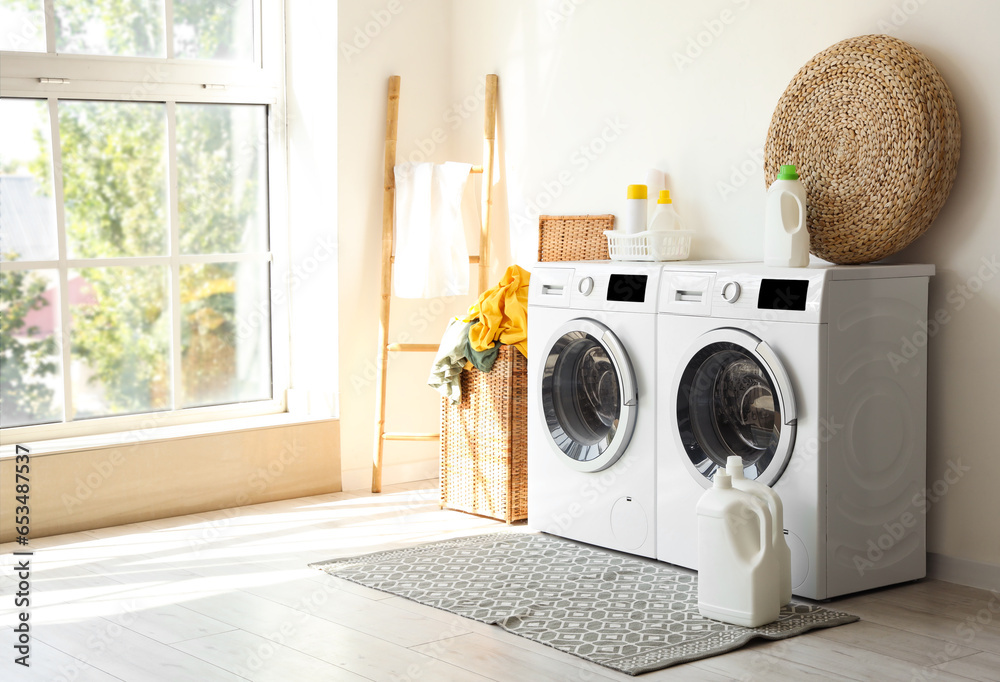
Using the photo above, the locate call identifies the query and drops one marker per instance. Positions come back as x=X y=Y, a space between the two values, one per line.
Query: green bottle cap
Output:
x=788 y=172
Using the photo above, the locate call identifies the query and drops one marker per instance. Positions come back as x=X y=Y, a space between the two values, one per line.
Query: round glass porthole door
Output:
x=734 y=398
x=588 y=395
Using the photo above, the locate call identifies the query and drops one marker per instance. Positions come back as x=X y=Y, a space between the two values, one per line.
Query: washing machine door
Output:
x=588 y=395
x=733 y=397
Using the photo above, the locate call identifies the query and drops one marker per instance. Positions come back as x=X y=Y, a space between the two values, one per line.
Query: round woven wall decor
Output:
x=874 y=132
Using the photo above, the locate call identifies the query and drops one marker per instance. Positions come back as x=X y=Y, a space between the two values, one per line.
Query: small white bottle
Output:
x=738 y=569
x=786 y=239
x=665 y=216
x=634 y=219
x=655 y=181
x=766 y=494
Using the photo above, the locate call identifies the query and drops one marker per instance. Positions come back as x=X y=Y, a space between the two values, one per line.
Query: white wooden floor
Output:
x=228 y=596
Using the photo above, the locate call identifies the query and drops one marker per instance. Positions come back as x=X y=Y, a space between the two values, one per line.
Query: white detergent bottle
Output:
x=738 y=568
x=634 y=219
x=734 y=467
x=665 y=216
x=786 y=239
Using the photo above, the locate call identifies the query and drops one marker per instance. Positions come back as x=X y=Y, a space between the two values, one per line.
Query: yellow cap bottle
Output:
x=665 y=216
x=636 y=191
x=634 y=219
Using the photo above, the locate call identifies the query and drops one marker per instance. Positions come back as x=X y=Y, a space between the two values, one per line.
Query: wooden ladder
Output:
x=482 y=260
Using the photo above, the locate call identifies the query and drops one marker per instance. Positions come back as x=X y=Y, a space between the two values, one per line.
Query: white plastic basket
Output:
x=651 y=245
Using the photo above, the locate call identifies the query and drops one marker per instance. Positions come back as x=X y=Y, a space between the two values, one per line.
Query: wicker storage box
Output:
x=573 y=237
x=484 y=441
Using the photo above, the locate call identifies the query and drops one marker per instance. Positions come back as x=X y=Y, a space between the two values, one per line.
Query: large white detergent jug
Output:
x=786 y=239
x=734 y=467
x=738 y=568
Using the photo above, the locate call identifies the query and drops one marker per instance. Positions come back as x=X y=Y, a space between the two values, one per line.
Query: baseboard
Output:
x=112 y=485
x=963 y=571
x=361 y=479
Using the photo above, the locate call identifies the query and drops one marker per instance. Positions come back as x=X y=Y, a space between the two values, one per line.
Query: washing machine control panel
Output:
x=612 y=287
x=765 y=294
x=778 y=298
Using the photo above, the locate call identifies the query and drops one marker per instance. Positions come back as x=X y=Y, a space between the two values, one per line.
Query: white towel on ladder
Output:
x=432 y=258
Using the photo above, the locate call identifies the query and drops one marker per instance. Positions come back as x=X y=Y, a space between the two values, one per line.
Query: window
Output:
x=141 y=186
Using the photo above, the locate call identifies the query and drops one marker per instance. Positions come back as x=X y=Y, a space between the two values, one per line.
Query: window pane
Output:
x=225 y=333
x=222 y=177
x=110 y=27
x=27 y=207
x=209 y=29
x=121 y=340
x=114 y=178
x=22 y=25
x=30 y=358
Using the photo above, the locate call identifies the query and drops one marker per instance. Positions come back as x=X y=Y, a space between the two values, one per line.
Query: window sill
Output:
x=42 y=448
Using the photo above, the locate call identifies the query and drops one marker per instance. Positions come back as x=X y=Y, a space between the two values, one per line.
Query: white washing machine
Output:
x=807 y=375
x=591 y=394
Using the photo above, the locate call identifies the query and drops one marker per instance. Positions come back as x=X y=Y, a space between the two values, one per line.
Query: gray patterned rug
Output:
x=624 y=613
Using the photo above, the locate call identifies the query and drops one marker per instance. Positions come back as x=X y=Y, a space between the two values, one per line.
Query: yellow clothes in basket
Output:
x=502 y=313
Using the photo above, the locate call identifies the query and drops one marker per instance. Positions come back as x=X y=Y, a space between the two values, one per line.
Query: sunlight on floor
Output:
x=125 y=571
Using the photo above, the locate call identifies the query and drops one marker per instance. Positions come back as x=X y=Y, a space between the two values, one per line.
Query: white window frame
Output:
x=52 y=77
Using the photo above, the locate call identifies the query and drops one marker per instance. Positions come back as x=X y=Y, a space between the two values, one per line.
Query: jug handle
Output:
x=774 y=506
x=764 y=517
x=802 y=213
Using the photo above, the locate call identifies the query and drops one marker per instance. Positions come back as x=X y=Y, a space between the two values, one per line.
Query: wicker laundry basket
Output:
x=484 y=438
x=484 y=441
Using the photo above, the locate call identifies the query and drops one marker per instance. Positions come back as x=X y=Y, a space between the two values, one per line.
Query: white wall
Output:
x=592 y=94
x=377 y=39
x=311 y=96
